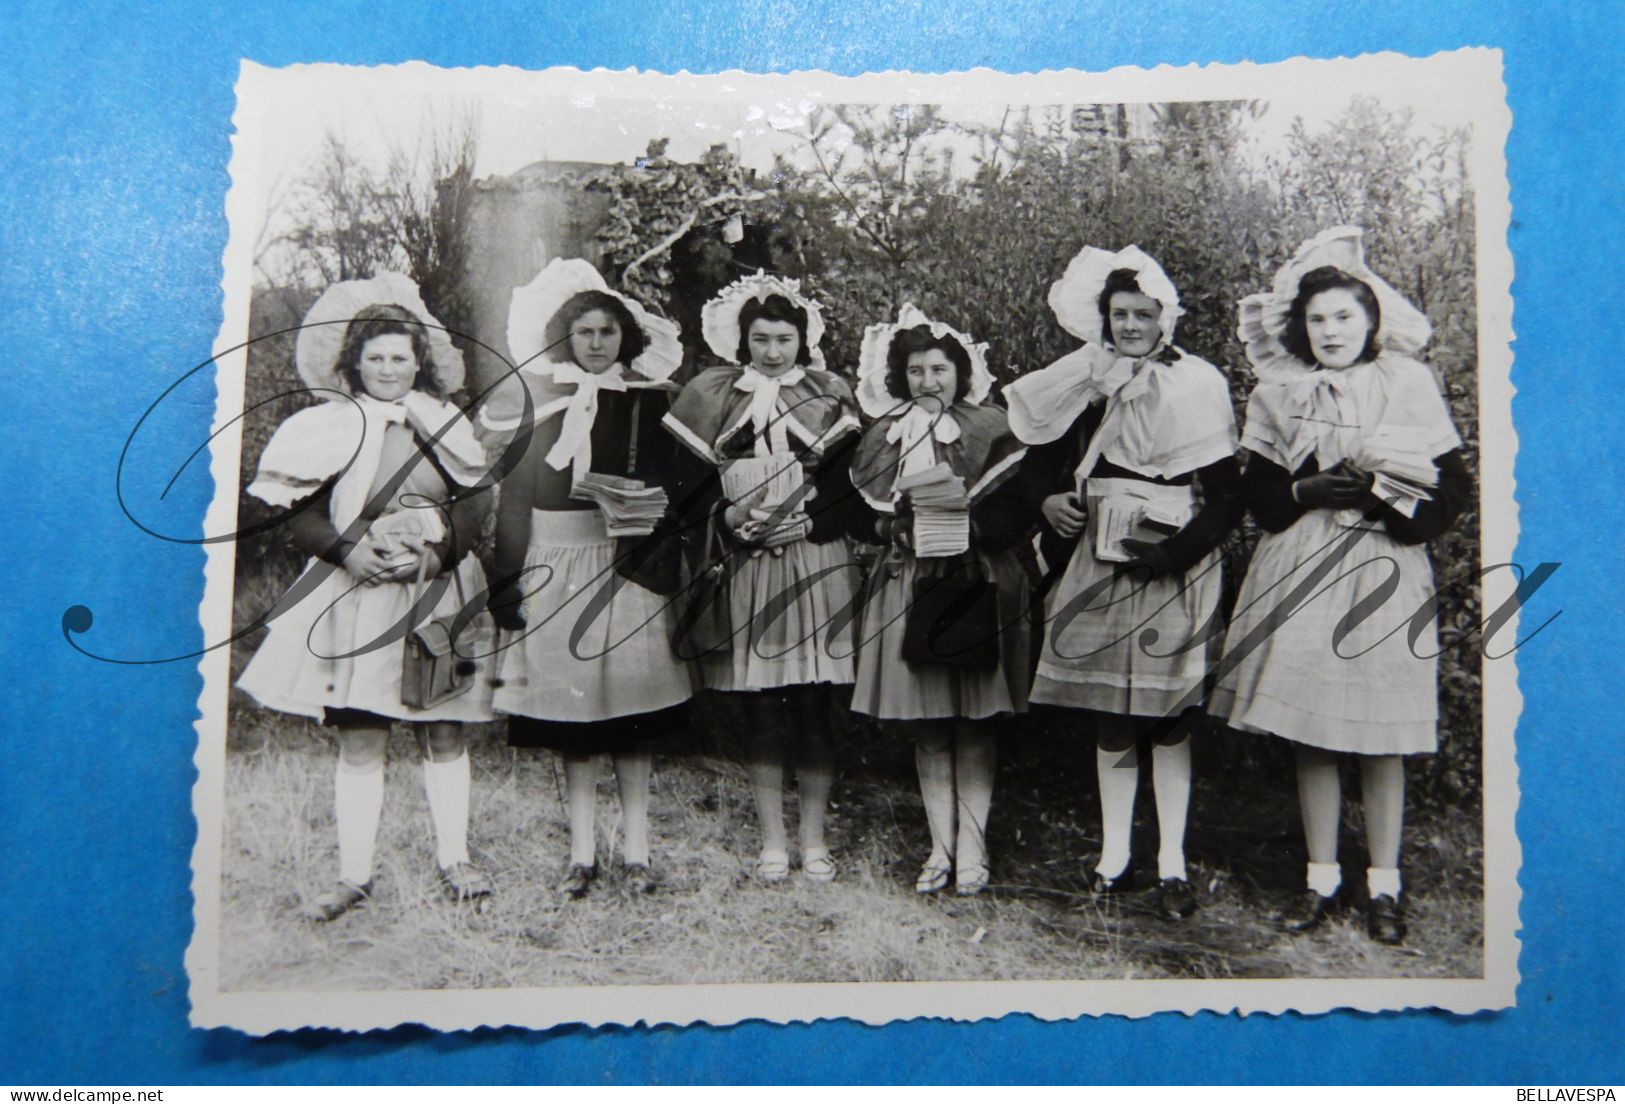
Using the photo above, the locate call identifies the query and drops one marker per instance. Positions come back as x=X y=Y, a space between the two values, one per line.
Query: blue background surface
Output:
x=114 y=162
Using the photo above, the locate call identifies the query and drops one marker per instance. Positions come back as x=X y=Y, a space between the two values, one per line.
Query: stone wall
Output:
x=516 y=224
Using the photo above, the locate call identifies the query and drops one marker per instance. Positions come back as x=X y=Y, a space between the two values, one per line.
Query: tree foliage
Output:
x=885 y=205
x=345 y=219
x=887 y=219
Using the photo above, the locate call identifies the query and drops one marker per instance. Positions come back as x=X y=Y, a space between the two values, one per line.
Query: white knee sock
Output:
x=1171 y=785
x=1324 y=878
x=1117 y=786
x=358 y=802
x=446 y=785
x=1380 y=881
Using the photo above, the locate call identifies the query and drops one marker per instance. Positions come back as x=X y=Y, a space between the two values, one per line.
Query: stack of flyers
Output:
x=941 y=511
x=631 y=508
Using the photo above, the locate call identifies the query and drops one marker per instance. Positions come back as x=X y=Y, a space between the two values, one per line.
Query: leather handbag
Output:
x=654 y=562
x=953 y=615
x=704 y=624
x=432 y=671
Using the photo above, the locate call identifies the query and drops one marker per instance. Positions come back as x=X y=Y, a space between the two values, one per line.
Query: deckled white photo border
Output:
x=1472 y=76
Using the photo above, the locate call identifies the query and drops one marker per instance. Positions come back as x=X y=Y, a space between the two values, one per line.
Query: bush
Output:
x=883 y=212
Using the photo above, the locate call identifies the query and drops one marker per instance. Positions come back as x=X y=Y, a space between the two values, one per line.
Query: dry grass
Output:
x=711 y=923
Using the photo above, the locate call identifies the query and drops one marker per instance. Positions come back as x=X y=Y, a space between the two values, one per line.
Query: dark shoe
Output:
x=464 y=881
x=638 y=879
x=1309 y=912
x=1384 y=920
x=336 y=902
x=577 y=880
x=1175 y=899
x=1102 y=886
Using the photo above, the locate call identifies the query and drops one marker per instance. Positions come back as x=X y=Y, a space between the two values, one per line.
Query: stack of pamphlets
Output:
x=631 y=508
x=941 y=511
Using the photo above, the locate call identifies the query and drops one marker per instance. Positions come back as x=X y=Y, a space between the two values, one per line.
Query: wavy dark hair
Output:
x=381 y=320
x=775 y=308
x=556 y=337
x=1119 y=279
x=1295 y=337
x=920 y=339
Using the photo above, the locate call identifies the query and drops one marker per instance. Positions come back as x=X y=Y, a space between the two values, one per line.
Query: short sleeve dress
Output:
x=335 y=644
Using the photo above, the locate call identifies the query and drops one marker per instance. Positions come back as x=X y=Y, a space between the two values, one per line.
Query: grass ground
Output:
x=711 y=923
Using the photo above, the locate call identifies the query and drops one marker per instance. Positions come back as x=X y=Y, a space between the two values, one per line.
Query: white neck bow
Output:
x=573 y=449
x=770 y=420
x=917 y=428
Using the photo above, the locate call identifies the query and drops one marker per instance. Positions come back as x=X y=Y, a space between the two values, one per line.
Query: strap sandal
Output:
x=970 y=879
x=463 y=881
x=773 y=865
x=337 y=901
x=934 y=875
x=817 y=866
x=578 y=880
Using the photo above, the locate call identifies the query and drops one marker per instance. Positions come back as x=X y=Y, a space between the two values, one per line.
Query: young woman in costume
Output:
x=927 y=385
x=1132 y=457
x=378 y=481
x=1352 y=465
x=775 y=412
x=585 y=665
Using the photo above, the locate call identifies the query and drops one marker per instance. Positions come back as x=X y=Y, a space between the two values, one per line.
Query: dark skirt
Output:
x=612 y=736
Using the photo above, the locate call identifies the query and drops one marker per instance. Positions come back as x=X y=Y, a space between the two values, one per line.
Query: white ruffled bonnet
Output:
x=1263 y=315
x=873 y=397
x=1075 y=297
x=321 y=338
x=533 y=306
x=719 y=318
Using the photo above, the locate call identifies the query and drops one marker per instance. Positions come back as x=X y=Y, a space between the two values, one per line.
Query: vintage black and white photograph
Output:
x=795 y=546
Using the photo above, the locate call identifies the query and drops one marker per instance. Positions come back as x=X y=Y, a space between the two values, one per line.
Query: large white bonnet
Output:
x=873 y=397
x=1263 y=315
x=1075 y=297
x=533 y=306
x=719 y=319
x=321 y=339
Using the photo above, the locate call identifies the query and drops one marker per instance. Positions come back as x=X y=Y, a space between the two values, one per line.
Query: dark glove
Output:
x=1148 y=556
x=1335 y=489
x=507 y=607
x=902 y=523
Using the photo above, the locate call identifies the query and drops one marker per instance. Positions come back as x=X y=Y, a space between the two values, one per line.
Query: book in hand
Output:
x=774 y=489
x=765 y=482
x=1117 y=519
x=630 y=507
x=941 y=510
